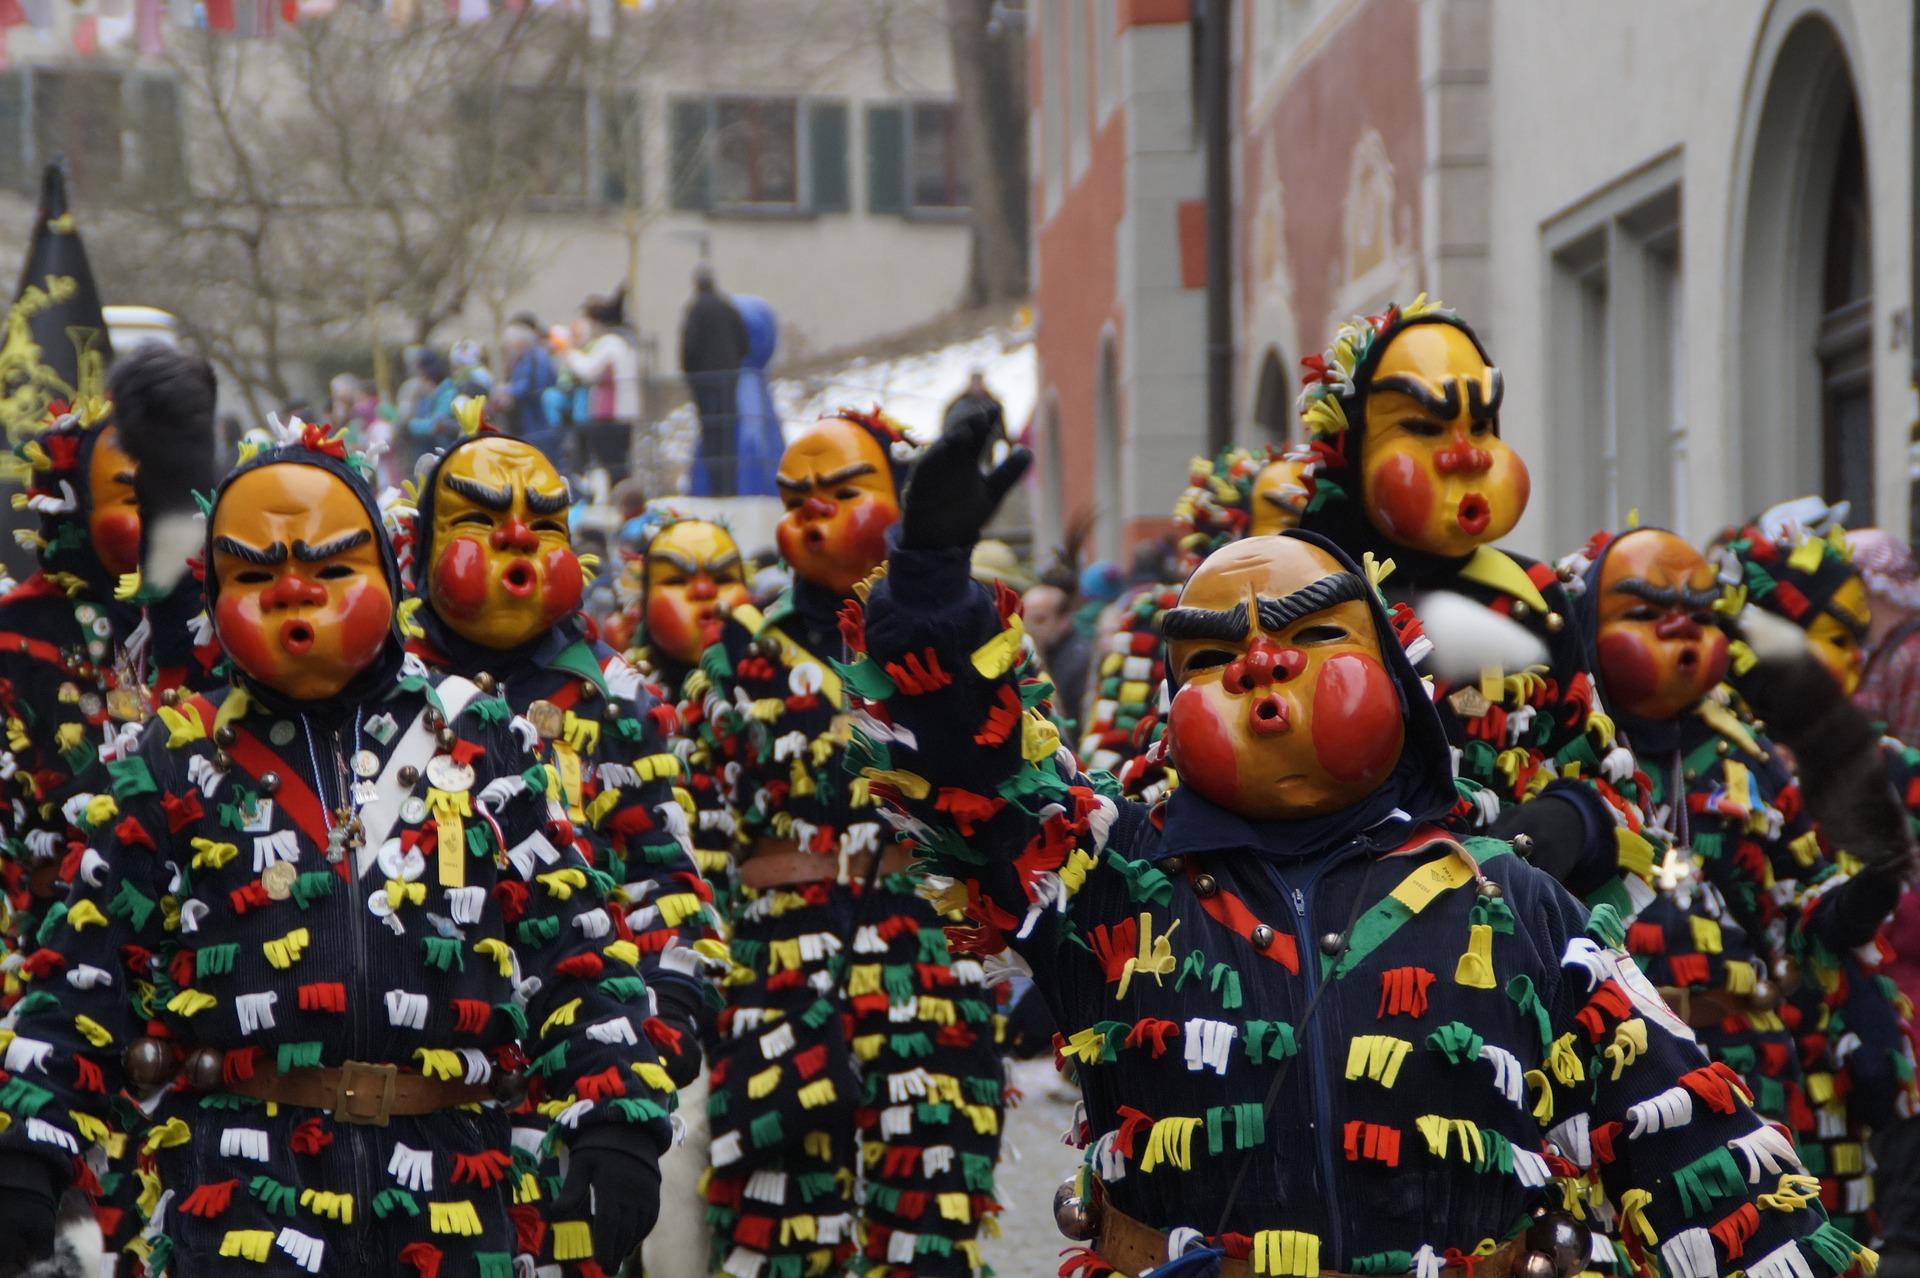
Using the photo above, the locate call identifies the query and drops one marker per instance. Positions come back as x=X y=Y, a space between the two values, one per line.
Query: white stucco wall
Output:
x=1581 y=97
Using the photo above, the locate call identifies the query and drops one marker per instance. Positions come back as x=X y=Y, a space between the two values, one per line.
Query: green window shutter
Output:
x=687 y=157
x=14 y=162
x=827 y=156
x=886 y=159
x=620 y=149
x=163 y=143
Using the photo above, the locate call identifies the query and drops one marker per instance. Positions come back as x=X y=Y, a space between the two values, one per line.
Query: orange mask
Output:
x=1660 y=646
x=1434 y=472
x=503 y=567
x=838 y=489
x=303 y=601
x=113 y=512
x=1836 y=631
x=1278 y=497
x=1285 y=708
x=694 y=581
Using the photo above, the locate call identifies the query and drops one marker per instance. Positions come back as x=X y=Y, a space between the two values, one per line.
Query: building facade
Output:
x=1683 y=231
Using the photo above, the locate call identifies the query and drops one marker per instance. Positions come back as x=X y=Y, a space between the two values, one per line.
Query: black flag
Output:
x=55 y=346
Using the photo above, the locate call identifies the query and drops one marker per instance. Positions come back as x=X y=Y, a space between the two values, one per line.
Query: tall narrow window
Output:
x=1845 y=344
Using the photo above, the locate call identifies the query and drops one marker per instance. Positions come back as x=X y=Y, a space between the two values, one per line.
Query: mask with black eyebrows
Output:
x=1284 y=709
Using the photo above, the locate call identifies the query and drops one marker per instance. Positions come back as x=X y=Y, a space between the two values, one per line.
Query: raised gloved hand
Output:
x=1552 y=832
x=680 y=1009
x=613 y=1181
x=28 y=1206
x=950 y=499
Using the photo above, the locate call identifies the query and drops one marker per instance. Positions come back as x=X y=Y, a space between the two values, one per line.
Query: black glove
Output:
x=680 y=1010
x=1803 y=708
x=1551 y=831
x=613 y=1180
x=28 y=1205
x=949 y=499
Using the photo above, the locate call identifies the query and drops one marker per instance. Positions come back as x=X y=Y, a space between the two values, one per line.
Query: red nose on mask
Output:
x=702 y=589
x=292 y=591
x=1264 y=665
x=1462 y=458
x=515 y=536
x=819 y=508
x=1677 y=625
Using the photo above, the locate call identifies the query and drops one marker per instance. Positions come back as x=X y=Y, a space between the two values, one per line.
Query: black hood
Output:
x=1421 y=786
x=385 y=666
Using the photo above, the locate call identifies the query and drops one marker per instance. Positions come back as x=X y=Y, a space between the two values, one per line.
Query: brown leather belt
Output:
x=1703 y=1009
x=775 y=863
x=360 y=1092
x=1132 y=1247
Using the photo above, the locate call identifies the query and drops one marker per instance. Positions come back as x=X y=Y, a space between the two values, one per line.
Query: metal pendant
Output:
x=278 y=879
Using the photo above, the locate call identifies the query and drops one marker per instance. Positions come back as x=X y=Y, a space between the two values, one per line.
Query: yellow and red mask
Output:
x=1434 y=473
x=1279 y=495
x=694 y=580
x=838 y=487
x=1659 y=646
x=113 y=512
x=1285 y=707
x=1838 y=632
x=302 y=601
x=500 y=567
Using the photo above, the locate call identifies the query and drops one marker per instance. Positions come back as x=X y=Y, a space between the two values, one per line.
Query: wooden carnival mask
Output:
x=1660 y=647
x=113 y=512
x=1278 y=497
x=503 y=569
x=1285 y=708
x=303 y=603
x=838 y=488
x=694 y=581
x=1838 y=632
x=1434 y=473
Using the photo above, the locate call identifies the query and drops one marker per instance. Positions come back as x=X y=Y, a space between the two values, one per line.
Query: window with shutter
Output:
x=688 y=153
x=756 y=152
x=162 y=136
x=827 y=124
x=886 y=159
x=78 y=113
x=938 y=157
x=619 y=149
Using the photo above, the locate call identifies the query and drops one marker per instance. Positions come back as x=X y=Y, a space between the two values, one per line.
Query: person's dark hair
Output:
x=527 y=318
x=609 y=311
x=433 y=365
x=703 y=278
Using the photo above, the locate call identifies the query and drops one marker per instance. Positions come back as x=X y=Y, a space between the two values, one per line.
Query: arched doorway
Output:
x=1109 y=517
x=1272 y=400
x=1802 y=378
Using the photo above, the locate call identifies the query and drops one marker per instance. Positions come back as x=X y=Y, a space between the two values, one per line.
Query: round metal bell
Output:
x=171 y=697
x=509 y=1086
x=1262 y=936
x=269 y=782
x=1332 y=943
x=148 y=1061
x=446 y=738
x=1488 y=888
x=589 y=691
x=1204 y=884
x=485 y=682
x=1070 y=1212
x=1523 y=844
x=1536 y=1264
x=222 y=760
x=407 y=775
x=1555 y=623
x=1559 y=1241
x=1174 y=864
x=204 y=1072
x=1764 y=997
x=224 y=735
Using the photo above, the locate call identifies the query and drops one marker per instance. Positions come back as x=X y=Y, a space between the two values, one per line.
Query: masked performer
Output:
x=1404 y=410
x=332 y=911
x=1315 y=1033
x=837 y=956
x=492 y=557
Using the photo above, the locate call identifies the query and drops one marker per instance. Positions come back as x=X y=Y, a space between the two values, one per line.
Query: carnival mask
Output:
x=503 y=569
x=1837 y=632
x=1279 y=496
x=303 y=603
x=1434 y=473
x=1285 y=708
x=113 y=512
x=694 y=582
x=1660 y=647
x=838 y=489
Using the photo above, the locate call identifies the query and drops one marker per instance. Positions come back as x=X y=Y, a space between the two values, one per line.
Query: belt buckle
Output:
x=366 y=1093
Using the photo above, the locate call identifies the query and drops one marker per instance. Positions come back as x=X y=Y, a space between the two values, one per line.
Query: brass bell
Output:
x=768 y=648
x=407 y=775
x=1523 y=844
x=222 y=760
x=1488 y=889
x=1555 y=623
x=485 y=682
x=509 y=1086
x=1520 y=610
x=1262 y=936
x=1070 y=1212
x=205 y=1072
x=1204 y=884
x=224 y=735
x=1332 y=943
x=589 y=690
x=269 y=782
x=1764 y=997
x=1557 y=1246
x=171 y=697
x=148 y=1061
x=445 y=737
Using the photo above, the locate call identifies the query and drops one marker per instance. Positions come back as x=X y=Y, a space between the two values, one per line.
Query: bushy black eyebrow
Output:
x=549 y=503
x=274 y=554
x=1667 y=596
x=1445 y=405
x=492 y=498
x=327 y=549
x=1329 y=591
x=1205 y=623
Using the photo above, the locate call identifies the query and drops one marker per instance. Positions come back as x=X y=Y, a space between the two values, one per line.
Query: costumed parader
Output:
x=488 y=551
x=1752 y=937
x=1315 y=1033
x=1240 y=493
x=837 y=956
x=1403 y=410
x=332 y=914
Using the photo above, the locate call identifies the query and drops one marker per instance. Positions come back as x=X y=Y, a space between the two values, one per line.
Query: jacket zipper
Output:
x=1317 y=1065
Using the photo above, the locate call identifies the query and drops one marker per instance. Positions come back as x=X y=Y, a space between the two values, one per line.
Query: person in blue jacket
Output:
x=1315 y=1033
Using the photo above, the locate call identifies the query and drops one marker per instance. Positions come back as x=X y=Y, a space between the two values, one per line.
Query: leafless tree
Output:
x=990 y=76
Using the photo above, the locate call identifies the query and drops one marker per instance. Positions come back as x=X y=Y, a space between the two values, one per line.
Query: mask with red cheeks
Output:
x=1660 y=648
x=501 y=568
x=1285 y=708
x=302 y=600
x=113 y=512
x=694 y=581
x=838 y=489
x=1435 y=475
